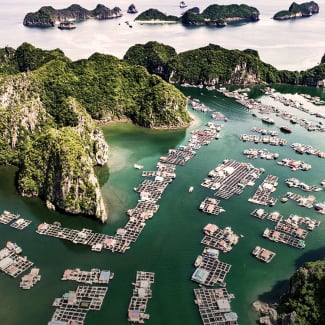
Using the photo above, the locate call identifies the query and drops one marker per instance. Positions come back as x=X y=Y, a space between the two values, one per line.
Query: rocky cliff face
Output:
x=295 y=10
x=54 y=163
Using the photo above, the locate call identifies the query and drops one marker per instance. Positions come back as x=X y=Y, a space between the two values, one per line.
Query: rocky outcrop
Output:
x=209 y=66
x=56 y=167
x=306 y=9
x=54 y=164
x=47 y=16
x=132 y=9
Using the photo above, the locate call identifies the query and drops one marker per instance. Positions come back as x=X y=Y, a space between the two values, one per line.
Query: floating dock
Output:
x=29 y=280
x=262 y=194
x=260 y=153
x=210 y=271
x=73 y=306
x=20 y=224
x=94 y=276
x=294 y=182
x=304 y=148
x=141 y=294
x=263 y=254
x=11 y=262
x=280 y=237
x=294 y=164
x=6 y=217
x=211 y=206
x=274 y=141
x=307 y=202
x=214 y=306
x=221 y=239
x=231 y=177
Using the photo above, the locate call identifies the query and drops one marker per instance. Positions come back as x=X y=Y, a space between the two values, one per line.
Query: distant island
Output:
x=154 y=15
x=213 y=65
x=47 y=16
x=132 y=9
x=214 y=15
x=296 y=10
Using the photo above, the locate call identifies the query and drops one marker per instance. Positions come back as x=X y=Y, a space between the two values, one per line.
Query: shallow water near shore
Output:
x=170 y=242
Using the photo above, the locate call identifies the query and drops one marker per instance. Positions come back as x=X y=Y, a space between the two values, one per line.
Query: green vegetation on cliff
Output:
x=295 y=10
x=47 y=16
x=208 y=65
x=305 y=301
x=213 y=65
x=154 y=14
x=46 y=111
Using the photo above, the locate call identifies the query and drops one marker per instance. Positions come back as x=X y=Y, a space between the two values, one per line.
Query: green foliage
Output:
x=154 y=56
x=214 y=12
x=307 y=295
x=295 y=9
x=311 y=76
x=154 y=14
x=205 y=65
x=31 y=58
x=56 y=167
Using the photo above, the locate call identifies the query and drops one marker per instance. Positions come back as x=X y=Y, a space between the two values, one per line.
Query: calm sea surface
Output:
x=170 y=242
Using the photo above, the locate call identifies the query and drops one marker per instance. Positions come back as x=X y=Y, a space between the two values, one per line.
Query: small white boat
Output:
x=191 y=189
x=136 y=166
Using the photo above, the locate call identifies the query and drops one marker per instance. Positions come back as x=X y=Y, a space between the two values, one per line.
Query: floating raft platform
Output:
x=262 y=194
x=73 y=306
x=274 y=216
x=141 y=294
x=291 y=229
x=294 y=182
x=211 y=206
x=274 y=141
x=260 y=153
x=307 y=202
x=97 y=241
x=304 y=148
x=7 y=217
x=214 y=306
x=263 y=254
x=221 y=239
x=20 y=223
x=230 y=177
x=283 y=238
x=210 y=270
x=94 y=276
x=11 y=262
x=29 y=280
x=294 y=164
x=272 y=133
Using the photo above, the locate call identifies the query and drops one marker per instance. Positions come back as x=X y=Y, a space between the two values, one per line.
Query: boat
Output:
x=267 y=120
x=67 y=25
x=182 y=4
x=191 y=189
x=198 y=261
x=285 y=129
x=137 y=166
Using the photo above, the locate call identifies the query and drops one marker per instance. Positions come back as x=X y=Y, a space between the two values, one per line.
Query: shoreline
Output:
x=156 y=21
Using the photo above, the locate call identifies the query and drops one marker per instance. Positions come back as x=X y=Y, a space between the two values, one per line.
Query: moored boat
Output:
x=67 y=25
x=182 y=4
x=285 y=129
x=267 y=120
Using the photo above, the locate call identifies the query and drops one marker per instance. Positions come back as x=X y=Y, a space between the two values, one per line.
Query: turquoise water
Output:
x=170 y=242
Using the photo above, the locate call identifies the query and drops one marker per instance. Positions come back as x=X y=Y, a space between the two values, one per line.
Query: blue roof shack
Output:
x=104 y=277
x=200 y=275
